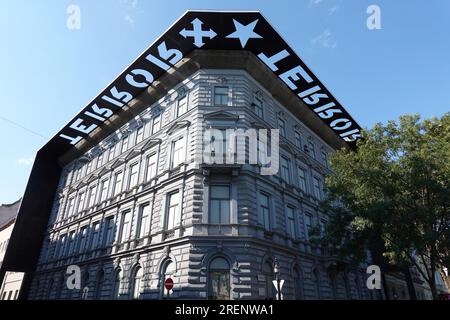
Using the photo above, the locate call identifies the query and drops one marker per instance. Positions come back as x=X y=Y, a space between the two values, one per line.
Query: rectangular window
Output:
x=88 y=167
x=125 y=144
x=61 y=245
x=71 y=247
x=92 y=194
x=70 y=207
x=285 y=170
x=156 y=124
x=151 y=166
x=219 y=205
x=125 y=226
x=221 y=96
x=80 y=204
x=264 y=203
x=178 y=152
x=118 y=178
x=317 y=184
x=182 y=106
x=133 y=175
x=112 y=152
x=100 y=160
x=83 y=240
x=312 y=149
x=173 y=203
x=95 y=235
x=143 y=227
x=259 y=107
x=302 y=178
x=291 y=221
x=282 y=127
x=298 y=139
x=324 y=158
x=139 y=134
x=104 y=190
x=109 y=234
x=308 y=225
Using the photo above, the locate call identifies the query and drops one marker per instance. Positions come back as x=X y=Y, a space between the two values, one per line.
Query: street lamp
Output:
x=276 y=270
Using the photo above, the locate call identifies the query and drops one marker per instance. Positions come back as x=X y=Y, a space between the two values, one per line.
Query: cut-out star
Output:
x=244 y=33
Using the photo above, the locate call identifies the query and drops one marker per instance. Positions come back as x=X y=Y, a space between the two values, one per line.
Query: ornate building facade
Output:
x=138 y=207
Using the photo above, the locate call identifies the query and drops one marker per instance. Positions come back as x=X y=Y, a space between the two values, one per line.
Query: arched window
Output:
x=116 y=287
x=316 y=280
x=168 y=270
x=269 y=277
x=99 y=284
x=219 y=279
x=298 y=285
x=135 y=288
x=333 y=283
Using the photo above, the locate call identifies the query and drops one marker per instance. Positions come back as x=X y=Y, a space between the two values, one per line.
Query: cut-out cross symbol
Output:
x=197 y=33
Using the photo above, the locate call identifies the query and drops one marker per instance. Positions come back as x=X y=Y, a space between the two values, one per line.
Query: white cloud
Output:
x=129 y=19
x=324 y=39
x=25 y=161
x=332 y=10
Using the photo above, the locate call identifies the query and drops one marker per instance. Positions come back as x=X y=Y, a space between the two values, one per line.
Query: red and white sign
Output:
x=168 y=283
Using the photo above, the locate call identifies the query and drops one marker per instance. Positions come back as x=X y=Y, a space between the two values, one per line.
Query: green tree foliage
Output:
x=396 y=188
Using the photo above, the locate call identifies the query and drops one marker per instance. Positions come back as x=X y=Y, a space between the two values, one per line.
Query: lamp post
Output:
x=276 y=269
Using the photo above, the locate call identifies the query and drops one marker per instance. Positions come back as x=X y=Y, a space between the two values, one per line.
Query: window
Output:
x=118 y=177
x=104 y=190
x=221 y=96
x=125 y=226
x=282 y=127
x=133 y=176
x=88 y=167
x=112 y=151
x=308 y=225
x=219 y=279
x=83 y=240
x=151 y=166
x=70 y=207
x=219 y=205
x=178 y=152
x=298 y=139
x=298 y=288
x=156 y=124
x=92 y=193
x=290 y=211
x=167 y=271
x=265 y=210
x=324 y=157
x=259 y=107
x=143 y=226
x=95 y=235
x=285 y=172
x=140 y=134
x=99 y=284
x=182 y=106
x=219 y=146
x=136 y=283
x=316 y=280
x=61 y=246
x=302 y=178
x=108 y=238
x=100 y=160
x=317 y=184
x=172 y=208
x=116 y=288
x=269 y=277
x=125 y=144
x=312 y=149
x=72 y=242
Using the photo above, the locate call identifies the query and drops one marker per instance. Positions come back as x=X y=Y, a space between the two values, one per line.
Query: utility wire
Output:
x=24 y=128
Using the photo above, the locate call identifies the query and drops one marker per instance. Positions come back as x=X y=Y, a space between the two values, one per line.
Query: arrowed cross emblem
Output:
x=197 y=33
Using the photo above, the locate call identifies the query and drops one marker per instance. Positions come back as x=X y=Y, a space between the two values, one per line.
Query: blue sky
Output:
x=48 y=72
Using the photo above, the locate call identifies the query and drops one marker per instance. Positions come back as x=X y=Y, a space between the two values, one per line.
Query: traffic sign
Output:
x=168 y=283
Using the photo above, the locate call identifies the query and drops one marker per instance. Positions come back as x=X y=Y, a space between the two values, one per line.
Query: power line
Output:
x=24 y=128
